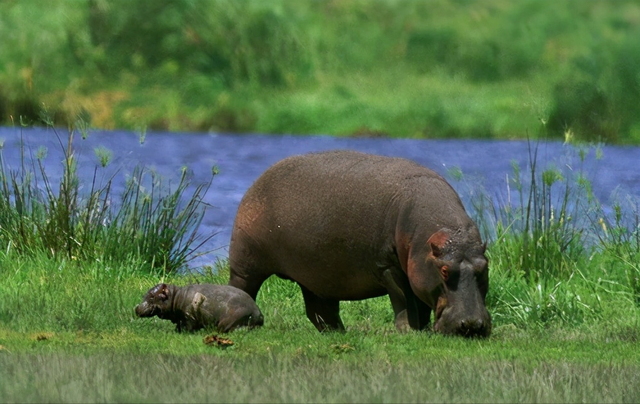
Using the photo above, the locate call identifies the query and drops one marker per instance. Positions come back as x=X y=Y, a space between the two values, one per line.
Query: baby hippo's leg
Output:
x=241 y=310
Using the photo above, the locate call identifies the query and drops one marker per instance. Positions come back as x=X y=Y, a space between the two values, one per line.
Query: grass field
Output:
x=71 y=336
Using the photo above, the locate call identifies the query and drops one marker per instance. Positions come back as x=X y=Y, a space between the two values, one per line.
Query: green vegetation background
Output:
x=402 y=68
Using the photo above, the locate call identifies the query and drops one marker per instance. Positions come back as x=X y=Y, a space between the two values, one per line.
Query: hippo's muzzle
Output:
x=462 y=314
x=453 y=322
x=145 y=309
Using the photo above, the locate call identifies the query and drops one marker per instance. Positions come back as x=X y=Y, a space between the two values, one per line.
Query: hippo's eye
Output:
x=444 y=271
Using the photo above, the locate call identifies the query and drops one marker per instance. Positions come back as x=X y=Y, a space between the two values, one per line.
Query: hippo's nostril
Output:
x=470 y=327
x=470 y=324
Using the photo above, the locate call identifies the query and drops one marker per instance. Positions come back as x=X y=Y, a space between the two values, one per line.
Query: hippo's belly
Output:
x=329 y=274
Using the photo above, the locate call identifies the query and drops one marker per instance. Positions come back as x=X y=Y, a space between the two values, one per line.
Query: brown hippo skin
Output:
x=201 y=306
x=346 y=225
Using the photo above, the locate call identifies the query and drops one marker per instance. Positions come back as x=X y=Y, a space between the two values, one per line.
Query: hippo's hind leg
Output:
x=233 y=321
x=250 y=284
x=323 y=313
x=240 y=311
x=246 y=266
x=246 y=274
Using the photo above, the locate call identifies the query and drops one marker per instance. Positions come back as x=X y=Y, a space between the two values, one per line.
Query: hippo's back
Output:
x=328 y=220
x=224 y=305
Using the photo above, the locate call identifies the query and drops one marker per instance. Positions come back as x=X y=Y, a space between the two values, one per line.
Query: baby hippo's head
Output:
x=156 y=301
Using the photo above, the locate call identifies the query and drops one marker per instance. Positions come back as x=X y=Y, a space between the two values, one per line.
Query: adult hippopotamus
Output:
x=194 y=307
x=347 y=225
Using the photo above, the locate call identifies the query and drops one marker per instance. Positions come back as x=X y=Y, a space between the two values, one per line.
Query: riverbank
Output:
x=417 y=69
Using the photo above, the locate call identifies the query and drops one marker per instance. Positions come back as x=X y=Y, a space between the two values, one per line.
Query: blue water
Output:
x=486 y=165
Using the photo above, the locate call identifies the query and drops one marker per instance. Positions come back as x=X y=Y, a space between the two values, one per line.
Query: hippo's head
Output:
x=155 y=302
x=461 y=269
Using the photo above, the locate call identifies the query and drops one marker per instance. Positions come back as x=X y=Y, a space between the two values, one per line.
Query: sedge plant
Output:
x=152 y=223
x=555 y=256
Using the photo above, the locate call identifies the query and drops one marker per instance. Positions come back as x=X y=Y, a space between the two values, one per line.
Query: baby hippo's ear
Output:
x=163 y=291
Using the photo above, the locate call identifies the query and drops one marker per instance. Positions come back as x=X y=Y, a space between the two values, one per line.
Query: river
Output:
x=486 y=166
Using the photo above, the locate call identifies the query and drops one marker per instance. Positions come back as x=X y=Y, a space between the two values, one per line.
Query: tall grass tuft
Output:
x=545 y=267
x=538 y=228
x=619 y=237
x=155 y=227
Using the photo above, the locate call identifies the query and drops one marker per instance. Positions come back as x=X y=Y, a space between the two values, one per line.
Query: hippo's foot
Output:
x=402 y=322
x=323 y=313
x=323 y=326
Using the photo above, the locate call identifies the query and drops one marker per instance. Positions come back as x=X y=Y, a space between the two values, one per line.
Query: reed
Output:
x=554 y=251
x=151 y=223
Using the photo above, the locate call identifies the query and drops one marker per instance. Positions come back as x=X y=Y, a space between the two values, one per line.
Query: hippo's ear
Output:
x=437 y=242
x=163 y=291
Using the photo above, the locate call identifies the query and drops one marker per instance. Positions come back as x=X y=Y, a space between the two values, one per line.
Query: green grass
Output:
x=113 y=377
x=207 y=378
x=428 y=69
x=402 y=104
x=70 y=335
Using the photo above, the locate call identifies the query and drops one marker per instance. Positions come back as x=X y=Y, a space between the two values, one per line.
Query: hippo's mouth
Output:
x=465 y=329
x=146 y=310
x=448 y=322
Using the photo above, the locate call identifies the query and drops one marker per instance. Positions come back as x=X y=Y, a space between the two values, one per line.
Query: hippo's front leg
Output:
x=398 y=301
x=410 y=312
x=419 y=313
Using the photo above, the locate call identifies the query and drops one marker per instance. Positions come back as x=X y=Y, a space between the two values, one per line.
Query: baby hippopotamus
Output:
x=194 y=307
